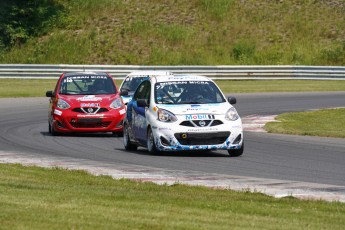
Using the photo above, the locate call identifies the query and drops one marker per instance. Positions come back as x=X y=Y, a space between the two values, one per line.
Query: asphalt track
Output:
x=24 y=130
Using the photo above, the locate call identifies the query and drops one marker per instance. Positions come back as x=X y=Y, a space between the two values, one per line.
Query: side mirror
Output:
x=142 y=103
x=124 y=92
x=232 y=100
x=50 y=94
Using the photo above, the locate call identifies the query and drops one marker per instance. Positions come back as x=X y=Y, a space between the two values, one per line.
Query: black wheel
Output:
x=126 y=141
x=52 y=131
x=151 y=145
x=236 y=152
x=49 y=128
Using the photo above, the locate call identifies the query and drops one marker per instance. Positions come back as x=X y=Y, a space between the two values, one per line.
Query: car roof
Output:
x=84 y=73
x=182 y=77
x=149 y=73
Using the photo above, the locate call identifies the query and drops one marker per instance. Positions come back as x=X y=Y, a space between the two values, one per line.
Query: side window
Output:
x=143 y=91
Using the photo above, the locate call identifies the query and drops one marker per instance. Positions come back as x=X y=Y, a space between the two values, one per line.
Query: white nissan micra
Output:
x=181 y=113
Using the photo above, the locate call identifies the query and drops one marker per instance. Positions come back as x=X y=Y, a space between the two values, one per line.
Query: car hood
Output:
x=216 y=108
x=89 y=100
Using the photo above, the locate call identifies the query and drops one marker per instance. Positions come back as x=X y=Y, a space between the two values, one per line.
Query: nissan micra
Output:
x=181 y=113
x=85 y=102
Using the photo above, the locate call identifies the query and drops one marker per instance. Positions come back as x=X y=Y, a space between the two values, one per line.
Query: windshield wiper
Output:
x=192 y=102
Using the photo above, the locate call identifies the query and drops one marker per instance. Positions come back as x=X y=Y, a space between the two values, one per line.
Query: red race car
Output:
x=85 y=102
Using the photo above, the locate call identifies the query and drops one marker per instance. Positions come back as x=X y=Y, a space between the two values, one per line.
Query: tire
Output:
x=49 y=128
x=52 y=131
x=126 y=141
x=236 y=152
x=151 y=145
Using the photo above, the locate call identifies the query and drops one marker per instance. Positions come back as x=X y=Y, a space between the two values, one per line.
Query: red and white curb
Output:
x=256 y=123
x=272 y=187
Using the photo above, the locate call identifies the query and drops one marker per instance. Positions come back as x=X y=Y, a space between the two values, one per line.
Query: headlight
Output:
x=232 y=114
x=62 y=104
x=166 y=116
x=117 y=103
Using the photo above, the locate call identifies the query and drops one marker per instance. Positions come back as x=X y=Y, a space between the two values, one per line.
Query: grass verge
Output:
x=41 y=198
x=38 y=87
x=324 y=123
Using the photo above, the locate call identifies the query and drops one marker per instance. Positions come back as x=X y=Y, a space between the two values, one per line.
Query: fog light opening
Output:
x=119 y=125
x=59 y=124
x=237 y=139
x=164 y=141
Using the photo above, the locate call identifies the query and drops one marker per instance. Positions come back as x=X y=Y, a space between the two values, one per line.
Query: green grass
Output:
x=38 y=198
x=193 y=32
x=323 y=123
x=253 y=86
x=38 y=87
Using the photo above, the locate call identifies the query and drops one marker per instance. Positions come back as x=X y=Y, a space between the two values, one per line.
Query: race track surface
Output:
x=24 y=130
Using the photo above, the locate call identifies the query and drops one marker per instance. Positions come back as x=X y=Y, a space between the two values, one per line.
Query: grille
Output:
x=196 y=123
x=90 y=123
x=101 y=110
x=202 y=138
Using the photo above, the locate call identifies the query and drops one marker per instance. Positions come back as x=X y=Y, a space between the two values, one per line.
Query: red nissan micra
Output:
x=85 y=102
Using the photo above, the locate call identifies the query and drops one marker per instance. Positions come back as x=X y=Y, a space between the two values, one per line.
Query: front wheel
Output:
x=126 y=141
x=151 y=146
x=52 y=130
x=236 y=152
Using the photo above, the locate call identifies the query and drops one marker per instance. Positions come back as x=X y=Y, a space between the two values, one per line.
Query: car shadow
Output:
x=82 y=135
x=205 y=153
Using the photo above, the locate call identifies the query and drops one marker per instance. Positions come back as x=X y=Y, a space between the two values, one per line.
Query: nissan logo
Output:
x=202 y=123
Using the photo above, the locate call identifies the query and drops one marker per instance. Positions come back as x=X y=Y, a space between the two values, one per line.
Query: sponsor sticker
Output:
x=161 y=129
x=90 y=115
x=57 y=112
x=90 y=105
x=89 y=98
x=202 y=129
x=199 y=117
x=122 y=111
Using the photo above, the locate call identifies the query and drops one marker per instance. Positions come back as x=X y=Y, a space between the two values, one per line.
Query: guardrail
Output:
x=215 y=72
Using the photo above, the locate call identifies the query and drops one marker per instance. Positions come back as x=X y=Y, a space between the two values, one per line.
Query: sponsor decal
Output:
x=122 y=111
x=90 y=115
x=162 y=84
x=57 y=112
x=89 y=98
x=202 y=129
x=199 y=82
x=71 y=78
x=161 y=129
x=198 y=109
x=90 y=105
x=200 y=117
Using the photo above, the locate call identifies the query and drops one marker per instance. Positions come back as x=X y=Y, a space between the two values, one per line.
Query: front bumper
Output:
x=69 y=121
x=172 y=138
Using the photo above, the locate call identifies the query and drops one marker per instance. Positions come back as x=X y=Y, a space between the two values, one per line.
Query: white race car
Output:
x=182 y=112
x=133 y=79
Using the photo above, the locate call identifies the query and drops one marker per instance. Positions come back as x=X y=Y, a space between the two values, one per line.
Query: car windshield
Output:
x=87 y=84
x=187 y=92
x=131 y=83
